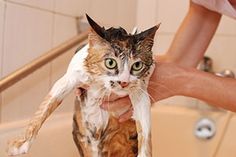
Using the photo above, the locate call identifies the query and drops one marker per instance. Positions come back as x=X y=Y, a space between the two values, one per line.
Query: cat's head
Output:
x=119 y=59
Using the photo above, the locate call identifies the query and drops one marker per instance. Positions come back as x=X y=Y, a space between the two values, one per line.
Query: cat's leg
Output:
x=60 y=89
x=142 y=115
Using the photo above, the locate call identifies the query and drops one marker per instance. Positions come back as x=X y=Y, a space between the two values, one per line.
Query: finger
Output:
x=115 y=105
x=112 y=97
x=126 y=116
x=77 y=92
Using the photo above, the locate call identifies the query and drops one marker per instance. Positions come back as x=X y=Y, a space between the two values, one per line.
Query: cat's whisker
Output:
x=136 y=96
x=103 y=94
x=109 y=101
x=147 y=94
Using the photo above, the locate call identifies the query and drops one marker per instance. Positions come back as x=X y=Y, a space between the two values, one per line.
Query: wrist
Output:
x=183 y=81
x=191 y=81
x=168 y=80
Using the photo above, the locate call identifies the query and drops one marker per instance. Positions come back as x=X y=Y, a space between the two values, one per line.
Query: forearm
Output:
x=193 y=36
x=217 y=91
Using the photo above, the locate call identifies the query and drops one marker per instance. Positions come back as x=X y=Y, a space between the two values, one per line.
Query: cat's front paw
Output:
x=18 y=146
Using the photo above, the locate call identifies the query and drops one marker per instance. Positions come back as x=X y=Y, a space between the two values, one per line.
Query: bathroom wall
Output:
x=222 y=48
x=28 y=28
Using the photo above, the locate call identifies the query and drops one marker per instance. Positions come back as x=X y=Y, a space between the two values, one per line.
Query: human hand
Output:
x=165 y=82
x=124 y=102
x=114 y=103
x=117 y=104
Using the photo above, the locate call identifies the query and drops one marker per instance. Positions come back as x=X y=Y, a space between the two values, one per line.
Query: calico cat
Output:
x=113 y=61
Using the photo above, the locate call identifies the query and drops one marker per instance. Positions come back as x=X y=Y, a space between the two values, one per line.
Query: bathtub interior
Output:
x=53 y=140
x=172 y=134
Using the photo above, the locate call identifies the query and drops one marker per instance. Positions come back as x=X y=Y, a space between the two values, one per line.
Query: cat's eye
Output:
x=110 y=63
x=137 y=66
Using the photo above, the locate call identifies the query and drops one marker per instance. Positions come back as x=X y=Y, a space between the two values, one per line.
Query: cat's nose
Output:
x=123 y=84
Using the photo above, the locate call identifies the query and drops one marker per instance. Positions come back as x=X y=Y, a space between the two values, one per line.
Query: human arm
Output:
x=172 y=79
x=193 y=36
x=186 y=50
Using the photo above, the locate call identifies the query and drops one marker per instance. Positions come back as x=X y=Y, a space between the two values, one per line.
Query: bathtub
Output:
x=172 y=134
x=54 y=139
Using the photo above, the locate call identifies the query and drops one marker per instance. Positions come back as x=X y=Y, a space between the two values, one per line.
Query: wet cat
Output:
x=113 y=61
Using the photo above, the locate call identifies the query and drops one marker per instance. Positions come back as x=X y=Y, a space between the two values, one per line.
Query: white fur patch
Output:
x=21 y=150
x=75 y=76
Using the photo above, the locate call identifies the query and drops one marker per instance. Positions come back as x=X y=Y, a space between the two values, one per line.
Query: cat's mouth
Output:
x=120 y=91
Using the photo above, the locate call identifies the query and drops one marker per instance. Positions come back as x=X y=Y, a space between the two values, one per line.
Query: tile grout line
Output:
x=156 y=12
x=3 y=37
x=3 y=41
x=3 y=30
x=52 y=42
x=42 y=9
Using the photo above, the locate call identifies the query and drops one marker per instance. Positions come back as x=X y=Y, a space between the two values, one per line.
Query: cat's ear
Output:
x=145 y=39
x=96 y=34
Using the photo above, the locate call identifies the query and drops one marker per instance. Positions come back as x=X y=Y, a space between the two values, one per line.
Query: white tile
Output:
x=127 y=14
x=162 y=42
x=171 y=13
x=2 y=11
x=104 y=12
x=113 y=13
x=28 y=34
x=227 y=26
x=64 y=29
x=72 y=7
x=146 y=13
x=21 y=100
x=44 y=4
x=222 y=51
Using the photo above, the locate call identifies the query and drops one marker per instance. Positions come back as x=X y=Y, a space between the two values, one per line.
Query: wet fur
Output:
x=116 y=140
x=97 y=133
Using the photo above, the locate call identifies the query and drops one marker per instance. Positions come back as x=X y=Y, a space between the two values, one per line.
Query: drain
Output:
x=205 y=129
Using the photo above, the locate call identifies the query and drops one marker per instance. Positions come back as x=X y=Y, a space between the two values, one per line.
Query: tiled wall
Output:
x=222 y=48
x=29 y=28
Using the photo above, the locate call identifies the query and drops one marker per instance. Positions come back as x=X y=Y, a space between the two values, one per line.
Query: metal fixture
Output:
x=206 y=64
x=205 y=129
x=226 y=73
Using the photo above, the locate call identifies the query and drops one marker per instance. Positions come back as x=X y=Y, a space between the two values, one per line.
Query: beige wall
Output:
x=28 y=28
